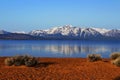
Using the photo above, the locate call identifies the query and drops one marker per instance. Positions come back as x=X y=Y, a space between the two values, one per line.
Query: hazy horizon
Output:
x=27 y=15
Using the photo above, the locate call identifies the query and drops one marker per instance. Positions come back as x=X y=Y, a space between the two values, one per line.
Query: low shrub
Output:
x=21 y=60
x=115 y=55
x=117 y=62
x=94 y=57
x=18 y=60
x=9 y=61
x=31 y=62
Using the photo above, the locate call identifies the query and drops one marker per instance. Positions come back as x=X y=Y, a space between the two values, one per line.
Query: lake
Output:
x=58 y=48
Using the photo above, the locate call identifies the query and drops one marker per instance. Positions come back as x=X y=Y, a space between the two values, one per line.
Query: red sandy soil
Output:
x=61 y=69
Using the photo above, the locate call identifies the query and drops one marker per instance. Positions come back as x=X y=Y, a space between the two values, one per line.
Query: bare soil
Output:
x=61 y=69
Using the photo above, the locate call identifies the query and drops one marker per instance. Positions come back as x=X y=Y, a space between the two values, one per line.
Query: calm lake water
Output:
x=58 y=48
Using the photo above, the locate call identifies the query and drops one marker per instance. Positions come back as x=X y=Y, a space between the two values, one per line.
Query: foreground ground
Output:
x=61 y=69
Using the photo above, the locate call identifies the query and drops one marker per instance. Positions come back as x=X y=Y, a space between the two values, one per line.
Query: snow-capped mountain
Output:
x=20 y=32
x=69 y=32
x=4 y=32
x=65 y=32
x=113 y=33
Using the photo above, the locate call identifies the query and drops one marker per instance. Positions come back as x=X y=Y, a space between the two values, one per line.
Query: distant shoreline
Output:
x=60 y=40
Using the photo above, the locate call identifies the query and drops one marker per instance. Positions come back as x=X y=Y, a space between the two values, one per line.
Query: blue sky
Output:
x=26 y=15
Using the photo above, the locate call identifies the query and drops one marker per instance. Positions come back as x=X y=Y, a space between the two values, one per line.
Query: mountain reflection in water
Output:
x=57 y=48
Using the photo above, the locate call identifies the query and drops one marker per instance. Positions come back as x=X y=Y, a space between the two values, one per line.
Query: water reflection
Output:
x=57 y=49
x=76 y=49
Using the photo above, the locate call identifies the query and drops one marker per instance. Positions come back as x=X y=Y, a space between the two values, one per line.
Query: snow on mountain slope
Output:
x=4 y=32
x=101 y=30
x=20 y=32
x=38 y=32
x=68 y=31
x=113 y=33
x=89 y=33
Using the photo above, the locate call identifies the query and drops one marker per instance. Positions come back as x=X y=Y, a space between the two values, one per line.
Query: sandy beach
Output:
x=61 y=69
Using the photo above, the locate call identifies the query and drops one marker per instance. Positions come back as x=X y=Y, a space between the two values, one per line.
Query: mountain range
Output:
x=65 y=32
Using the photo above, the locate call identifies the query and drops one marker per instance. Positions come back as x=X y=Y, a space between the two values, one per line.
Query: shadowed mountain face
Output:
x=14 y=36
x=65 y=32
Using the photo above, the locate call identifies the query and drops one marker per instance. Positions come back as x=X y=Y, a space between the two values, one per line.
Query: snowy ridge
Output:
x=77 y=32
x=70 y=32
x=101 y=30
x=20 y=32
